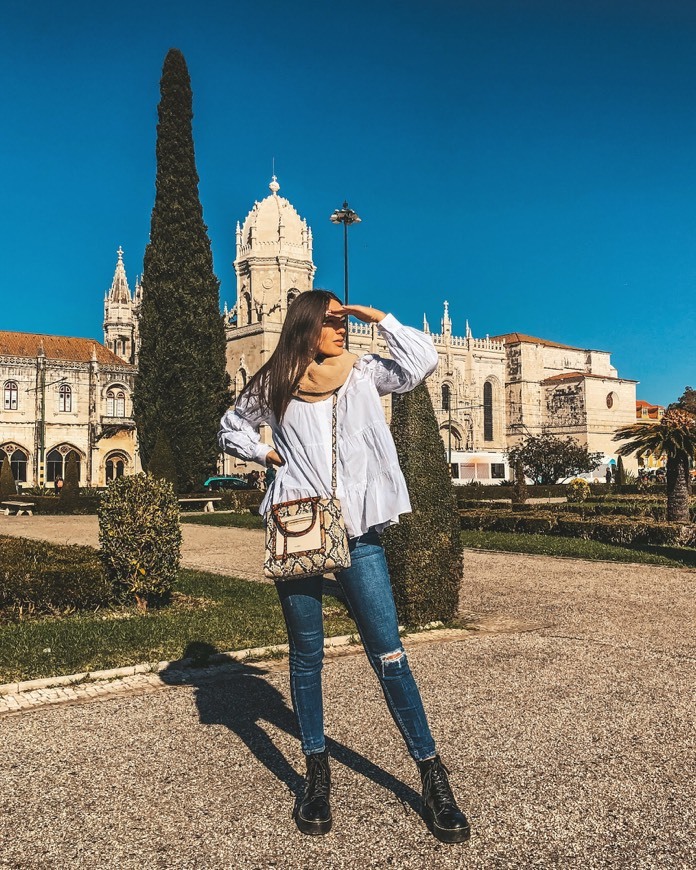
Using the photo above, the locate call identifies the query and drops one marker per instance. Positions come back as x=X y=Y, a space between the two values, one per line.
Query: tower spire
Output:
x=119 y=291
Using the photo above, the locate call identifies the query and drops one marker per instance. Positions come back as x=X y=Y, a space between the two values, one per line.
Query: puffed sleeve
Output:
x=413 y=358
x=239 y=431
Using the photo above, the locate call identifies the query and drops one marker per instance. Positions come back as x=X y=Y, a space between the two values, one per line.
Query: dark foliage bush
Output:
x=8 y=487
x=40 y=578
x=620 y=530
x=241 y=500
x=424 y=550
x=70 y=492
x=52 y=504
x=536 y=525
x=140 y=537
x=503 y=522
x=162 y=464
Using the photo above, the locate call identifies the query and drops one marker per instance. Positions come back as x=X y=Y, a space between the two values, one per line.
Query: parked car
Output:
x=229 y=481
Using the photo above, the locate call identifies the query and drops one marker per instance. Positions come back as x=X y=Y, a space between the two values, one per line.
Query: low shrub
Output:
x=40 y=578
x=52 y=504
x=538 y=524
x=578 y=490
x=572 y=527
x=572 y=523
x=503 y=522
x=140 y=537
x=241 y=500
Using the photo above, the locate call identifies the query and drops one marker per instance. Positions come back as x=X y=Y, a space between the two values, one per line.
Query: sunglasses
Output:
x=336 y=322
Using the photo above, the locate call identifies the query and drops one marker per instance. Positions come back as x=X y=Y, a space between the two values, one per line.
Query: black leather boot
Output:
x=444 y=818
x=313 y=815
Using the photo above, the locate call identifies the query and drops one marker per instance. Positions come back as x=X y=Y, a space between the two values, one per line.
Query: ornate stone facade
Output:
x=63 y=395
x=487 y=392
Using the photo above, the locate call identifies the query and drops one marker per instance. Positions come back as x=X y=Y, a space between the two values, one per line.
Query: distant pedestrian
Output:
x=309 y=378
x=58 y=484
x=607 y=476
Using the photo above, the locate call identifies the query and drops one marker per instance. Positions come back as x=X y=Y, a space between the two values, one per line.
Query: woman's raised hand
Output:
x=361 y=312
x=272 y=458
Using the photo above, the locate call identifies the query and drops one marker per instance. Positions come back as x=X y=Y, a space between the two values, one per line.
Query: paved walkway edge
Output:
x=30 y=694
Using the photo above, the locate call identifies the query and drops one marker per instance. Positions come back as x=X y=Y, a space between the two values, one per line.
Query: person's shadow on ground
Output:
x=240 y=698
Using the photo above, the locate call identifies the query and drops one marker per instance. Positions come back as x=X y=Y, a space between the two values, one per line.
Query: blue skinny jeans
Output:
x=367 y=589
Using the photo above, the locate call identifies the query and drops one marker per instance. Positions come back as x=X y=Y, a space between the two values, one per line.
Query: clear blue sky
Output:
x=534 y=163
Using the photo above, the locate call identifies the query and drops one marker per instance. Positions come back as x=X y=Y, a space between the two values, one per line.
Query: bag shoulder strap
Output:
x=333 y=444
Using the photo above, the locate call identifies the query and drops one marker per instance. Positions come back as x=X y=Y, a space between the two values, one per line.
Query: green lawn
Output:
x=221 y=611
x=238 y=521
x=577 y=548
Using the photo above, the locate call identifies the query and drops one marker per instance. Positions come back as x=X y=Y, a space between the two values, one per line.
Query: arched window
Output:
x=456 y=440
x=446 y=397
x=57 y=460
x=488 y=411
x=11 y=394
x=115 y=467
x=18 y=462
x=65 y=398
x=115 y=403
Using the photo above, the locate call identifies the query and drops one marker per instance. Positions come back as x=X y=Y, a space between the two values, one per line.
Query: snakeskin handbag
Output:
x=307 y=537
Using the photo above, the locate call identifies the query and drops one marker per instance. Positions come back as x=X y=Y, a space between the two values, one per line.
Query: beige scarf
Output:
x=322 y=379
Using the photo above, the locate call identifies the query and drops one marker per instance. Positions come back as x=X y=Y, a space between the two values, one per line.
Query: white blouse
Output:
x=370 y=484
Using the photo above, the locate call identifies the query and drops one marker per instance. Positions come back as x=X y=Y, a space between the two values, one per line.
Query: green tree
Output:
x=182 y=385
x=687 y=400
x=548 y=459
x=674 y=436
x=8 y=487
x=519 y=487
x=620 y=472
x=162 y=462
x=70 y=492
x=424 y=550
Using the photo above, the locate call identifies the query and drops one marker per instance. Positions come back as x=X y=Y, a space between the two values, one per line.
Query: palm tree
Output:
x=674 y=437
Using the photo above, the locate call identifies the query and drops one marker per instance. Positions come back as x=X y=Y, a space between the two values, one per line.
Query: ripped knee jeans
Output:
x=368 y=594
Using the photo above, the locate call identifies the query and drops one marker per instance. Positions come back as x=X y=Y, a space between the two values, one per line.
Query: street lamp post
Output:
x=345 y=216
x=42 y=422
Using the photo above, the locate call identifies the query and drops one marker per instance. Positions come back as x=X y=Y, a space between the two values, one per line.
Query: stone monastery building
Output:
x=63 y=395
x=488 y=392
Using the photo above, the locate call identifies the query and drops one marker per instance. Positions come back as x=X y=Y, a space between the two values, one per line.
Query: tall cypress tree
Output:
x=182 y=386
x=424 y=550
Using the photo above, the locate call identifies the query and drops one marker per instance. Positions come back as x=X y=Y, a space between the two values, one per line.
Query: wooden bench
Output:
x=19 y=507
x=207 y=501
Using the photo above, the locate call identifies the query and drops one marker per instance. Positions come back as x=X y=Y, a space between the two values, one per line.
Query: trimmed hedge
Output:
x=607 y=529
x=241 y=500
x=51 y=504
x=557 y=490
x=41 y=578
x=648 y=508
x=140 y=537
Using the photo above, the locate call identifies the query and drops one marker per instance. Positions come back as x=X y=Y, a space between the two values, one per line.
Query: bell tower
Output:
x=120 y=323
x=273 y=260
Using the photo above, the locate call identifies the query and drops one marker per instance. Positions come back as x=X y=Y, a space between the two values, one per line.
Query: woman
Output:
x=293 y=393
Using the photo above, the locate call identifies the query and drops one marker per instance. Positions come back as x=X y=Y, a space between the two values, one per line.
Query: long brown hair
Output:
x=274 y=383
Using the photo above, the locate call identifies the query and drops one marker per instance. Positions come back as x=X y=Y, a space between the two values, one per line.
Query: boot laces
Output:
x=438 y=785
x=317 y=778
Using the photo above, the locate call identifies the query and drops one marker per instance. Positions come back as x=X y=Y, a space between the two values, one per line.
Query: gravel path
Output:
x=571 y=744
x=234 y=552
